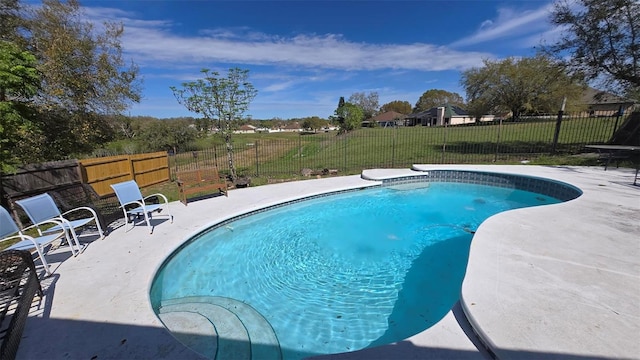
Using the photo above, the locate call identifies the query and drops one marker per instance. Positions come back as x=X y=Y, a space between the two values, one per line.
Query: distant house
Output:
x=386 y=119
x=291 y=126
x=602 y=103
x=246 y=129
x=444 y=115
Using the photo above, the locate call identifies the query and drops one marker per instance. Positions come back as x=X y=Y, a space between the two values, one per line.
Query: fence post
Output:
x=131 y=168
x=495 y=156
x=444 y=142
x=558 y=123
x=175 y=162
x=618 y=115
x=215 y=156
x=345 y=152
x=393 y=148
x=299 y=153
x=257 y=162
x=557 y=132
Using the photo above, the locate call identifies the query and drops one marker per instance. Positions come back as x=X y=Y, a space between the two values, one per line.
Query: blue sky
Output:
x=303 y=55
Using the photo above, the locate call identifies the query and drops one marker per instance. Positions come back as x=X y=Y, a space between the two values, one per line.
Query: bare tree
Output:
x=367 y=103
x=221 y=99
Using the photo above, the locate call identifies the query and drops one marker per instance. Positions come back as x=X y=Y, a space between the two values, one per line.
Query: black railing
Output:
x=498 y=141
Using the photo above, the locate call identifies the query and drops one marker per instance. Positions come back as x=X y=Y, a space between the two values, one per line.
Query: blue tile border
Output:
x=555 y=189
x=552 y=188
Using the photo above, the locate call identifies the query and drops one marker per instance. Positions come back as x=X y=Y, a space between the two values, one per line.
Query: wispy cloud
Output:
x=324 y=51
x=153 y=42
x=550 y=36
x=279 y=86
x=101 y=14
x=510 y=23
x=295 y=74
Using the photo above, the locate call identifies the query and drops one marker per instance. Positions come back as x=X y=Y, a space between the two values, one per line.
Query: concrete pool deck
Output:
x=555 y=281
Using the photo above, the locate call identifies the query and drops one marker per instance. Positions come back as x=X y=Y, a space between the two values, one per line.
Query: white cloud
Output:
x=297 y=75
x=509 y=24
x=326 y=51
x=487 y=24
x=151 y=42
x=101 y=14
x=279 y=86
x=275 y=81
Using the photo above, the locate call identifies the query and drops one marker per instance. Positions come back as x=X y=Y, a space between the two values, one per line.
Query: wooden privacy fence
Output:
x=75 y=183
x=61 y=179
x=39 y=178
x=145 y=169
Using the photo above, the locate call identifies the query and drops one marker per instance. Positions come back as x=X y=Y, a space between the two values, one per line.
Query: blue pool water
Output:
x=344 y=272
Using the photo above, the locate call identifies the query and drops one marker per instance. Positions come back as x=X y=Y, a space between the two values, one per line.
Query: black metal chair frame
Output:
x=19 y=283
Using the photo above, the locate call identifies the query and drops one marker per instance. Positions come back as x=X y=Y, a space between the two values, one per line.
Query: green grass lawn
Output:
x=287 y=153
x=274 y=157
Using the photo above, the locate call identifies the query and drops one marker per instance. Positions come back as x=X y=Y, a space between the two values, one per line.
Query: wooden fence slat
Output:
x=145 y=169
x=38 y=178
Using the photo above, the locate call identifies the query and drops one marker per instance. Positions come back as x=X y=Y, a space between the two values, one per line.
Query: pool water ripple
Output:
x=345 y=272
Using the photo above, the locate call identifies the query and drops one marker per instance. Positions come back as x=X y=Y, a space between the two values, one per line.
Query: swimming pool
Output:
x=342 y=272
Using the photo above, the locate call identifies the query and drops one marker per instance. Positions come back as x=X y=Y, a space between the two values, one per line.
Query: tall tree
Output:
x=435 y=97
x=19 y=82
x=69 y=133
x=83 y=67
x=313 y=123
x=402 y=107
x=162 y=135
x=336 y=119
x=534 y=84
x=478 y=107
x=11 y=21
x=368 y=103
x=83 y=76
x=219 y=98
x=352 y=115
x=602 y=41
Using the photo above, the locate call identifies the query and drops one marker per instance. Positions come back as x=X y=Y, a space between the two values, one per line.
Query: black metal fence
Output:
x=499 y=141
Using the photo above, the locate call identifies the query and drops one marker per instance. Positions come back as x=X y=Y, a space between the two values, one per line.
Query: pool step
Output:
x=239 y=331
x=193 y=330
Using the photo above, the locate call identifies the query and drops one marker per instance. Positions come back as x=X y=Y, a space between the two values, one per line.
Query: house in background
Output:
x=291 y=126
x=602 y=103
x=444 y=115
x=386 y=119
x=245 y=129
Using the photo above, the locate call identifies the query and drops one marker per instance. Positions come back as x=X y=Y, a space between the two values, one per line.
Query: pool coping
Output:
x=573 y=262
x=97 y=303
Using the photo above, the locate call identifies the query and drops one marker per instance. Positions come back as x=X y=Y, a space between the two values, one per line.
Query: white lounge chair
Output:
x=134 y=205
x=9 y=230
x=41 y=208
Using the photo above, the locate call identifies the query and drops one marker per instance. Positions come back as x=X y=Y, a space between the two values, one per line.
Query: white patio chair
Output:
x=42 y=208
x=129 y=196
x=9 y=231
